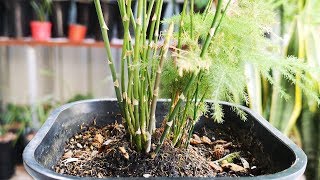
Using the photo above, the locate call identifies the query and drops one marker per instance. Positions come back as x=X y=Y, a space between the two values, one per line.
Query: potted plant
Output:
x=208 y=55
x=16 y=118
x=7 y=162
x=7 y=139
x=41 y=28
x=41 y=112
x=77 y=32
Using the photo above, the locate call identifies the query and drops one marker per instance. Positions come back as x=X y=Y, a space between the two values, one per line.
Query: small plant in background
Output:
x=79 y=97
x=43 y=109
x=209 y=54
x=14 y=119
x=42 y=9
x=41 y=28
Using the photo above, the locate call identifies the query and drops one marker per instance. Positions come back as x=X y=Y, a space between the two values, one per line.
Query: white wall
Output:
x=29 y=74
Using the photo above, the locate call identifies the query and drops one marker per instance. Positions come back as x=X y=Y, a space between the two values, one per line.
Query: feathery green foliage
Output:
x=300 y=110
x=208 y=62
x=239 y=41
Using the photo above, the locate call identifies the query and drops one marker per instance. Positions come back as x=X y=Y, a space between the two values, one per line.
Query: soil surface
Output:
x=102 y=152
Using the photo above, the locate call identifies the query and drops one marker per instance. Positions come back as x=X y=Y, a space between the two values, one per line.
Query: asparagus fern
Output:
x=209 y=52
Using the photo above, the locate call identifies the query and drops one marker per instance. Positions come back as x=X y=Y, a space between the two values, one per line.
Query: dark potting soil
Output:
x=106 y=151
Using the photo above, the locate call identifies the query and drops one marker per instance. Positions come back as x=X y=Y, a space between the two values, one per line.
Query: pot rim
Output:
x=37 y=22
x=30 y=163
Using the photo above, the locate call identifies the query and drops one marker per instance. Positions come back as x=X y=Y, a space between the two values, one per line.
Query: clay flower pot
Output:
x=77 y=32
x=40 y=31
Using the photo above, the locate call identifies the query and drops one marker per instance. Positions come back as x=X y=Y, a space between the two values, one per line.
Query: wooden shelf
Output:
x=57 y=42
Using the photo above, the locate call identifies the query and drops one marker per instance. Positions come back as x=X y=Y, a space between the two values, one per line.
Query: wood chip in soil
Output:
x=106 y=152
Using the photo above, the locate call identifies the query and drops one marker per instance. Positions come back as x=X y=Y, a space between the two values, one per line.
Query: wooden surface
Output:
x=57 y=42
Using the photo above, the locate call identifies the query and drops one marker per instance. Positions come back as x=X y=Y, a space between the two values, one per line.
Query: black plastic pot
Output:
x=21 y=143
x=18 y=149
x=7 y=162
x=47 y=146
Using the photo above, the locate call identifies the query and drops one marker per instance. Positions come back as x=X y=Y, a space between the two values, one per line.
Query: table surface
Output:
x=56 y=42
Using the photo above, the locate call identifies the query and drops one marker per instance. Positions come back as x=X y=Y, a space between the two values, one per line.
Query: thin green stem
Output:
x=156 y=37
x=184 y=9
x=144 y=27
x=174 y=112
x=208 y=7
x=150 y=7
x=195 y=117
x=124 y=57
x=154 y=20
x=164 y=53
x=212 y=29
x=181 y=126
x=192 y=79
x=142 y=96
x=104 y=32
x=136 y=80
x=132 y=19
x=222 y=16
x=191 y=18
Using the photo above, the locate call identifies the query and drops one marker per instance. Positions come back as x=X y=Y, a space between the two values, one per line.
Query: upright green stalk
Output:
x=180 y=127
x=156 y=85
x=181 y=22
x=194 y=118
x=212 y=29
x=142 y=89
x=208 y=7
x=174 y=112
x=191 y=17
x=136 y=80
x=151 y=4
x=155 y=18
x=156 y=35
x=105 y=36
x=124 y=58
x=191 y=81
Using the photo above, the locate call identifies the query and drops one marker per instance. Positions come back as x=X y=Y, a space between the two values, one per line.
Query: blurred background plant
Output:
x=298 y=116
x=42 y=9
x=15 y=118
x=20 y=122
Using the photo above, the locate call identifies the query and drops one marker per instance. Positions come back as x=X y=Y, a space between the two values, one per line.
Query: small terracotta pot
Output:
x=77 y=32
x=40 y=31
